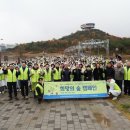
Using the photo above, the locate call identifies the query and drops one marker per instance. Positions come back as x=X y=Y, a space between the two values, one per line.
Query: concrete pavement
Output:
x=72 y=114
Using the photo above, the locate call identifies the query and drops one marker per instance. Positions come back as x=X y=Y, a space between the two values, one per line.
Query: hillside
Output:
x=58 y=45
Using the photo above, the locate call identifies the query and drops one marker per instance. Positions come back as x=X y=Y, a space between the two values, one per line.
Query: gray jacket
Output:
x=119 y=73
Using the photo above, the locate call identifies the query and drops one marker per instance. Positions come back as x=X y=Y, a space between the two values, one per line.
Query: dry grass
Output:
x=123 y=106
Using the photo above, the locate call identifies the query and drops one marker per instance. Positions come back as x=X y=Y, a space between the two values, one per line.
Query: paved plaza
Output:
x=71 y=114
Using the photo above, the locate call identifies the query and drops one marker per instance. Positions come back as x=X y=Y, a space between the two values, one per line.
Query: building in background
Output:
x=88 y=26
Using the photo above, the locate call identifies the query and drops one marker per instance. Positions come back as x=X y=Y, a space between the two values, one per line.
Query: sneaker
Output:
x=114 y=98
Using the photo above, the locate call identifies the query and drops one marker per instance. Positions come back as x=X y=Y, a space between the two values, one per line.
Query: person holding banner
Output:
x=77 y=73
x=66 y=72
x=109 y=71
x=88 y=73
x=98 y=72
x=114 y=89
x=39 y=90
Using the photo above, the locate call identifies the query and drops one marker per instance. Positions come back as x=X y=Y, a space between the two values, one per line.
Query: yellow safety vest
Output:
x=23 y=74
x=116 y=87
x=11 y=77
x=35 y=76
x=126 y=73
x=57 y=74
x=2 y=77
x=47 y=75
x=18 y=77
x=40 y=87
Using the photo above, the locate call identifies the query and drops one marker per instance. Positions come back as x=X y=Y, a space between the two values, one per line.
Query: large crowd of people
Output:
x=30 y=75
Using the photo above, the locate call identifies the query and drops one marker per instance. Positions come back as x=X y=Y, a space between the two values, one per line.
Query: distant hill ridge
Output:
x=58 y=45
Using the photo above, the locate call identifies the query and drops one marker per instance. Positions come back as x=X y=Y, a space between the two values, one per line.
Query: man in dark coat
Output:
x=109 y=71
x=98 y=73
x=66 y=72
x=88 y=73
x=77 y=73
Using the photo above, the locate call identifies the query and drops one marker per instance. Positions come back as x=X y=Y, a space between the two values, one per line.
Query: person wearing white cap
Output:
x=114 y=89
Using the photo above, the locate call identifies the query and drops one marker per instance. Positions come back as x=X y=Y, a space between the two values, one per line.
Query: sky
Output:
x=23 y=21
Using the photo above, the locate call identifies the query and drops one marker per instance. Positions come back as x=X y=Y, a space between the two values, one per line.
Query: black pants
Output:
x=11 y=87
x=24 y=87
x=127 y=87
x=2 y=88
x=119 y=83
x=40 y=95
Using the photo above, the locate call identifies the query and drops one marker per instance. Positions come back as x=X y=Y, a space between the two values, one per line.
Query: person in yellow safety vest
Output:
x=41 y=69
x=114 y=89
x=24 y=78
x=12 y=75
x=34 y=75
x=127 y=79
x=47 y=73
x=57 y=72
x=4 y=81
x=39 y=90
x=1 y=80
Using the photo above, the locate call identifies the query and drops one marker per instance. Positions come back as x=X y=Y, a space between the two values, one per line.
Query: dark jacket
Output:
x=88 y=75
x=98 y=74
x=66 y=74
x=109 y=73
x=77 y=74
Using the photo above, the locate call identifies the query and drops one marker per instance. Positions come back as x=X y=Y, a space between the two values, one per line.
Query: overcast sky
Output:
x=35 y=20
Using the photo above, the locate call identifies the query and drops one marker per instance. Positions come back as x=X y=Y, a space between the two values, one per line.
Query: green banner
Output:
x=82 y=89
